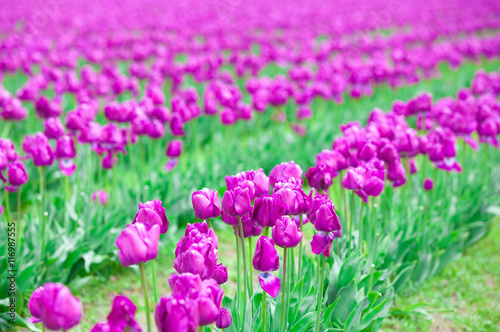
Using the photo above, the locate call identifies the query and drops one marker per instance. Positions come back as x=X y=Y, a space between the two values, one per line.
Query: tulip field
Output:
x=274 y=166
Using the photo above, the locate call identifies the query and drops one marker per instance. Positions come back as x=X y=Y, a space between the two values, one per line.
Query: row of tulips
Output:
x=387 y=149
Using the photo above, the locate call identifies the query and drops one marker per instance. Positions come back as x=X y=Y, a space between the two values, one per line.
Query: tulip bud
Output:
x=285 y=233
x=206 y=204
x=266 y=257
x=121 y=317
x=174 y=149
x=55 y=306
x=284 y=172
x=138 y=244
x=224 y=320
x=100 y=195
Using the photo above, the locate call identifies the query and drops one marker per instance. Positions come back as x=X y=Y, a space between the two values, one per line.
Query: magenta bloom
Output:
x=152 y=213
x=220 y=274
x=176 y=313
x=224 y=320
x=237 y=202
x=428 y=184
x=206 y=204
x=121 y=317
x=285 y=233
x=100 y=195
x=327 y=219
x=270 y=283
x=248 y=228
x=38 y=148
x=174 y=149
x=138 y=244
x=17 y=176
x=322 y=243
x=55 y=306
x=266 y=257
x=284 y=172
x=266 y=210
x=352 y=180
x=319 y=177
x=65 y=152
x=53 y=128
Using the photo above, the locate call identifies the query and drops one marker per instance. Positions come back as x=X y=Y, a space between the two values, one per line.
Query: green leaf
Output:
x=352 y=323
x=373 y=314
x=349 y=269
x=333 y=286
x=346 y=303
x=305 y=322
x=403 y=277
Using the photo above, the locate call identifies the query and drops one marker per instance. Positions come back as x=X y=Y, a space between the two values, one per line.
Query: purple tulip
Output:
x=284 y=172
x=322 y=243
x=102 y=196
x=17 y=176
x=396 y=173
x=327 y=220
x=266 y=210
x=224 y=320
x=270 y=283
x=220 y=274
x=121 y=317
x=206 y=204
x=38 y=148
x=428 y=184
x=138 y=244
x=237 y=202
x=152 y=213
x=319 y=177
x=232 y=221
x=176 y=313
x=53 y=128
x=248 y=228
x=55 y=306
x=352 y=180
x=174 y=149
x=373 y=186
x=285 y=233
x=209 y=301
x=196 y=255
x=265 y=257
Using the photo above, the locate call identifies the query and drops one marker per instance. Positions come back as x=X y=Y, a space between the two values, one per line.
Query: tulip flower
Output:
x=428 y=184
x=237 y=202
x=53 y=128
x=352 y=180
x=284 y=172
x=17 y=176
x=266 y=210
x=220 y=274
x=174 y=149
x=319 y=177
x=322 y=243
x=152 y=213
x=65 y=152
x=224 y=320
x=138 y=244
x=176 y=313
x=206 y=204
x=248 y=229
x=270 y=283
x=327 y=220
x=285 y=233
x=266 y=257
x=121 y=317
x=55 y=306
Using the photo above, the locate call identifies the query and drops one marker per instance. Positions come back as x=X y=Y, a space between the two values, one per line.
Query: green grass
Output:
x=464 y=297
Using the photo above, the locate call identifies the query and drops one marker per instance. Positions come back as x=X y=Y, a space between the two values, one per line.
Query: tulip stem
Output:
x=264 y=310
x=209 y=222
x=7 y=209
x=300 y=248
x=155 y=290
x=19 y=218
x=372 y=271
x=250 y=264
x=283 y=290
x=360 y=236
x=351 y=221
x=41 y=171
x=238 y=258
x=146 y=297
x=320 y=296
x=245 y=271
